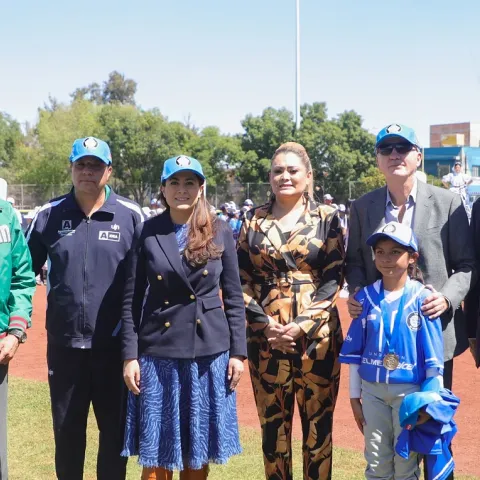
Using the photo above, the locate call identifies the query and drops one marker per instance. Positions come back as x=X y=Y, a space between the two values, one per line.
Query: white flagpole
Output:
x=297 y=76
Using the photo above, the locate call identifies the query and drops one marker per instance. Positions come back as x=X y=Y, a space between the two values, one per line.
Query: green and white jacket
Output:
x=17 y=280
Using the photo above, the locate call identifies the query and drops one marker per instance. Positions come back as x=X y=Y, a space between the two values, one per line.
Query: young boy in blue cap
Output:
x=392 y=347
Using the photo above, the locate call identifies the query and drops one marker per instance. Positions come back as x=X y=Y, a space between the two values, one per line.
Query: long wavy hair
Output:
x=202 y=228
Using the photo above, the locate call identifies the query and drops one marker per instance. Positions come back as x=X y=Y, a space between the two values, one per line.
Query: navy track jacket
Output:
x=86 y=267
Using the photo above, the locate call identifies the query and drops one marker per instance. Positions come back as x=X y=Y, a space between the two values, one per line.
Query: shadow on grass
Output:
x=31 y=452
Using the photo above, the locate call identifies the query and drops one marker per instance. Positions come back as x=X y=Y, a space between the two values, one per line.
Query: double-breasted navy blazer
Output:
x=174 y=310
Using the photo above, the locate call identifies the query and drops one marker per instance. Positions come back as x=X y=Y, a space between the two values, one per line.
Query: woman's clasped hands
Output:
x=282 y=337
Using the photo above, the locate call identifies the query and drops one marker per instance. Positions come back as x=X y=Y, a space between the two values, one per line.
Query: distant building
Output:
x=464 y=134
x=438 y=161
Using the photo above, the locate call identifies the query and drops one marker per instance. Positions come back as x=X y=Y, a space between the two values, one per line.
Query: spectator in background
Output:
x=153 y=207
x=248 y=204
x=224 y=214
x=342 y=215
x=243 y=212
x=11 y=201
x=234 y=222
x=457 y=182
x=327 y=199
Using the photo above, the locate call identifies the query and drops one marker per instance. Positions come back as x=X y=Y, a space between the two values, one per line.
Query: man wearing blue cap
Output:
x=440 y=223
x=85 y=235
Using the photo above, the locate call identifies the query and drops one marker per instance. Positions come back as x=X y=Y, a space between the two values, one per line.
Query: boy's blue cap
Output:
x=400 y=131
x=181 y=163
x=412 y=403
x=91 y=146
x=398 y=232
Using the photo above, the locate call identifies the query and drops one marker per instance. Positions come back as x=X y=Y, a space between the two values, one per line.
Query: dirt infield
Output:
x=30 y=363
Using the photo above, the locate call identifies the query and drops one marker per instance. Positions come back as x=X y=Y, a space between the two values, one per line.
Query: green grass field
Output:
x=30 y=434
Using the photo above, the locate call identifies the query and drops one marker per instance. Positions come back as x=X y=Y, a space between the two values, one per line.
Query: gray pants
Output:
x=3 y=422
x=381 y=404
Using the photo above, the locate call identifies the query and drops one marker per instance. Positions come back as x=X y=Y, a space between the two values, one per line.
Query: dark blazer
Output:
x=174 y=310
x=446 y=251
x=472 y=302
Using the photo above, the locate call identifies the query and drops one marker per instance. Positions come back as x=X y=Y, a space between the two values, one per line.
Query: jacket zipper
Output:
x=85 y=275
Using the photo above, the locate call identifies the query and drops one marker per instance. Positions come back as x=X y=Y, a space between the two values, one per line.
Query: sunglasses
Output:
x=399 y=147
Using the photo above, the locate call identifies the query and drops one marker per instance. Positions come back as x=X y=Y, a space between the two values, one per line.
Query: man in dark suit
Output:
x=439 y=220
x=472 y=302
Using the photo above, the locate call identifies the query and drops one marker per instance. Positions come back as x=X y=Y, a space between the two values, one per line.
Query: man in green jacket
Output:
x=17 y=284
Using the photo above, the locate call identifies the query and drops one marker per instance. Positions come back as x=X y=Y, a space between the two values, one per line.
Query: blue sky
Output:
x=415 y=62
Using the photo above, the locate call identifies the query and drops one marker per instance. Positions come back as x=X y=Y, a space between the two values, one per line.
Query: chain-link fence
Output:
x=28 y=197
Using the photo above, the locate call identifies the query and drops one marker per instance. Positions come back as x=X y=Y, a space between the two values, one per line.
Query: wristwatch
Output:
x=19 y=334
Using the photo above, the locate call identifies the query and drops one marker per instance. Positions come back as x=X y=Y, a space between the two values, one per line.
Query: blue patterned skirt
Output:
x=185 y=415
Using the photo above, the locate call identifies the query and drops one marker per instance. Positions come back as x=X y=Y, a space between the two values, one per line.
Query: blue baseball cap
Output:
x=400 y=131
x=91 y=146
x=182 y=163
x=398 y=232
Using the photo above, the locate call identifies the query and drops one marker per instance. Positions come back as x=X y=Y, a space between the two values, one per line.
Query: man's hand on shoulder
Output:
x=435 y=304
x=8 y=348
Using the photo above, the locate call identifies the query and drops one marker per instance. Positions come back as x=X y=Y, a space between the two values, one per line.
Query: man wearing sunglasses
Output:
x=440 y=223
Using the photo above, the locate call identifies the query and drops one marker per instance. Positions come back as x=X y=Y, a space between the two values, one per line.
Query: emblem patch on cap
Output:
x=394 y=128
x=183 y=161
x=90 y=143
x=389 y=229
x=414 y=322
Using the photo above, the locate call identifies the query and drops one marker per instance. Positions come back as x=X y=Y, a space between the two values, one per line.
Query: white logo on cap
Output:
x=90 y=143
x=394 y=128
x=183 y=161
x=389 y=229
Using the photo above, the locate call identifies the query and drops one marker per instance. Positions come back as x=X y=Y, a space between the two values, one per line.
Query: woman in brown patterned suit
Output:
x=291 y=260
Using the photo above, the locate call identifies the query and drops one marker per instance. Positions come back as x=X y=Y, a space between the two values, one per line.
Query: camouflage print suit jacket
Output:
x=293 y=279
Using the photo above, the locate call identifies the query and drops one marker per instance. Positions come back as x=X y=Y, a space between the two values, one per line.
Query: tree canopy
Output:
x=341 y=150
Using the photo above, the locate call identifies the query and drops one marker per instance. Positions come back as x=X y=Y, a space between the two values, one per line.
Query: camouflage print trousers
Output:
x=277 y=379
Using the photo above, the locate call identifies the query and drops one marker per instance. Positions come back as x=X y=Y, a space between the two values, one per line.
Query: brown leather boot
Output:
x=157 y=473
x=189 y=474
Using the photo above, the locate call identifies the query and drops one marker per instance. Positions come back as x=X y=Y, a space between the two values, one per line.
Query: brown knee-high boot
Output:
x=157 y=473
x=189 y=474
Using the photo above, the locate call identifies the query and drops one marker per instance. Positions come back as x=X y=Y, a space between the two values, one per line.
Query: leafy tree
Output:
x=43 y=159
x=140 y=142
x=341 y=150
x=371 y=180
x=265 y=133
x=92 y=93
x=219 y=154
x=118 y=89
x=10 y=139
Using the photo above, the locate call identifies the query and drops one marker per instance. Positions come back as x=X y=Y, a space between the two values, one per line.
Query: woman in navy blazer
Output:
x=183 y=354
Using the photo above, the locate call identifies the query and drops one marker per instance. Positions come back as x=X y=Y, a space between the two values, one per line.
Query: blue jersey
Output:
x=236 y=226
x=418 y=343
